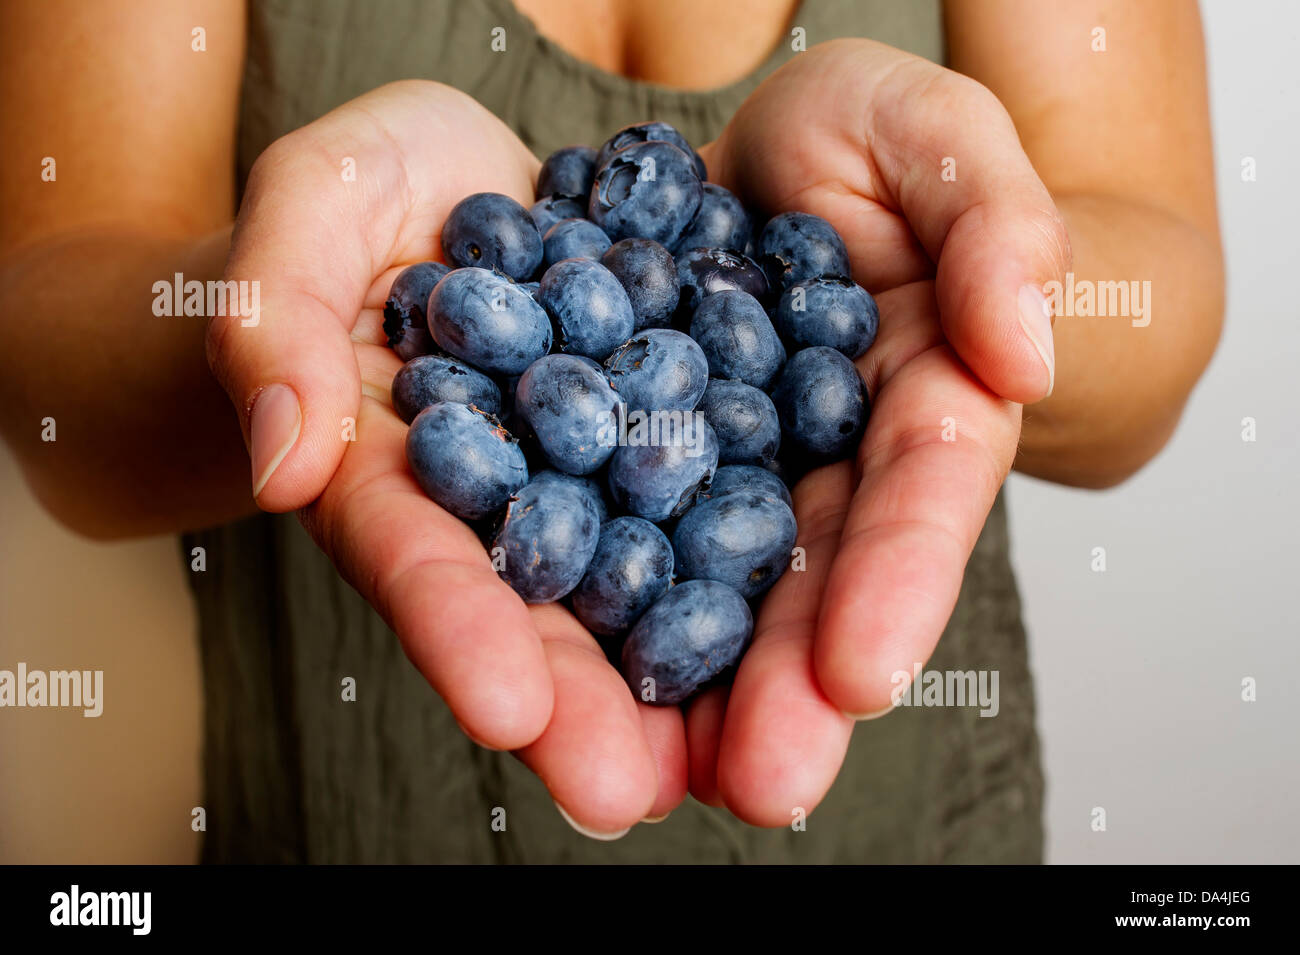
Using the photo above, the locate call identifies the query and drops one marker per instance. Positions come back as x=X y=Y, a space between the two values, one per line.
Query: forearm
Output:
x=1122 y=380
x=144 y=439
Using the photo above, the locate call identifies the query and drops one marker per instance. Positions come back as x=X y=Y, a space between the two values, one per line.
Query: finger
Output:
x=665 y=732
x=369 y=326
x=288 y=366
x=593 y=757
x=704 y=718
x=973 y=199
x=937 y=449
x=783 y=741
x=908 y=328
x=431 y=579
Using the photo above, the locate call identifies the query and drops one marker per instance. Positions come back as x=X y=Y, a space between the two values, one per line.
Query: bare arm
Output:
x=143 y=188
x=1121 y=139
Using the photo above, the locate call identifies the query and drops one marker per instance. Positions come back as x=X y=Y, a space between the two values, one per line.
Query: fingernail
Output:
x=863 y=717
x=653 y=819
x=591 y=833
x=1036 y=320
x=273 y=431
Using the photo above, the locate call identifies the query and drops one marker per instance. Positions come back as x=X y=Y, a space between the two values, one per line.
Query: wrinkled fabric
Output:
x=295 y=774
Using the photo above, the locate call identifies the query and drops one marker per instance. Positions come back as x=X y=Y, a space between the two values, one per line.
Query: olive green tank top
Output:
x=294 y=773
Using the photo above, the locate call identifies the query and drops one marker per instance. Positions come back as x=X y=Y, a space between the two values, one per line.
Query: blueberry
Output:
x=795 y=246
x=648 y=132
x=574 y=239
x=658 y=370
x=828 y=311
x=744 y=419
x=405 y=321
x=661 y=480
x=701 y=169
x=687 y=637
x=490 y=231
x=742 y=539
x=485 y=319
x=571 y=410
x=590 y=308
x=822 y=404
x=737 y=338
x=647 y=191
x=547 y=212
x=464 y=459
x=585 y=485
x=631 y=569
x=721 y=222
x=702 y=272
x=739 y=477
x=428 y=379
x=546 y=540
x=567 y=172
x=649 y=276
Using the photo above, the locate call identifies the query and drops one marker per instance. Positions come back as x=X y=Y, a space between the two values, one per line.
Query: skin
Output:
x=1058 y=167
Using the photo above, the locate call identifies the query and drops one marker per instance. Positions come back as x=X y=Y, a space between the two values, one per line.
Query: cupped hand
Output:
x=330 y=215
x=862 y=135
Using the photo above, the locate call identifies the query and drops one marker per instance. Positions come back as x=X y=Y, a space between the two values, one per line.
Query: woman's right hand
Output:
x=331 y=213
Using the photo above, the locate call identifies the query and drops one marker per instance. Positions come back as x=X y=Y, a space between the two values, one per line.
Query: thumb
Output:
x=987 y=220
x=933 y=160
x=995 y=262
x=287 y=363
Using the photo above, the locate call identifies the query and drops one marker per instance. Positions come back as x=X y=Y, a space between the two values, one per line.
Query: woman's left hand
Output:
x=862 y=135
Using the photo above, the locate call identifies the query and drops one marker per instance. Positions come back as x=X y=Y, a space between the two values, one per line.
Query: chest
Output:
x=678 y=43
x=665 y=60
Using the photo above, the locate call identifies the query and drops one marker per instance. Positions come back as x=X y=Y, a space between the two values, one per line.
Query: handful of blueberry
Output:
x=611 y=386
